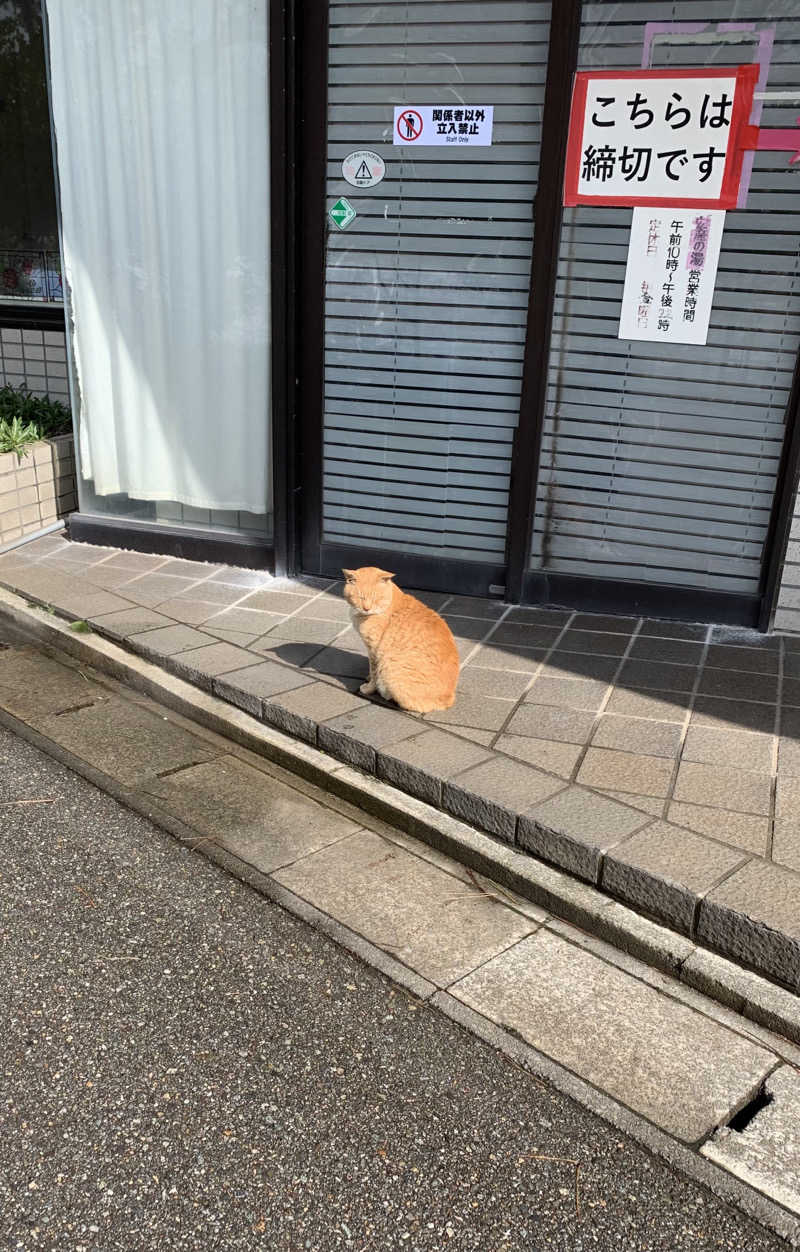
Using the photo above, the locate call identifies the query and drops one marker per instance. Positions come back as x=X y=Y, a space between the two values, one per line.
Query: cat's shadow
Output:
x=350 y=669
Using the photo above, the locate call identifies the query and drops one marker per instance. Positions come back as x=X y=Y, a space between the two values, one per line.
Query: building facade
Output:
x=295 y=343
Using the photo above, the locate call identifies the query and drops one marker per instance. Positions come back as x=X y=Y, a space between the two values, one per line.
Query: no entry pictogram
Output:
x=409 y=125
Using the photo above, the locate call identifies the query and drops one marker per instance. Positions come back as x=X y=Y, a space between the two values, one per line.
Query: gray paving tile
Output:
x=239 y=637
x=136 y=562
x=570 y=693
x=580 y=665
x=574 y=828
x=434 y=922
x=340 y=662
x=673 y=651
x=723 y=788
x=492 y=794
x=483 y=737
x=307 y=630
x=284 y=650
x=521 y=660
x=664 y=870
x=501 y=684
x=472 y=628
x=433 y=599
x=741 y=830
x=743 y=637
x=184 y=609
x=662 y=706
x=481 y=712
x=298 y=712
x=659 y=629
x=218 y=594
x=766 y=1154
x=713 y=711
x=154 y=589
x=634 y=734
x=554 y=758
x=791 y=665
x=473 y=606
x=736 y=685
x=268 y=601
x=34 y=687
x=519 y=635
x=522 y=616
x=354 y=735
x=541 y=721
x=201 y=665
x=248 y=621
x=786 y=842
x=789 y=757
x=332 y=608
x=753 y=917
x=626 y=771
x=658 y=676
x=754 y=660
x=787 y=797
x=646 y=804
x=130 y=621
x=126 y=741
x=599 y=643
x=680 y=1069
x=236 y=577
x=605 y=622
x=189 y=569
x=167 y=640
x=790 y=692
x=418 y=765
x=740 y=748
x=248 y=688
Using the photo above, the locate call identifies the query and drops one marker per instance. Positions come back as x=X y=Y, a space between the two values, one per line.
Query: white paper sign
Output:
x=672 y=269
x=438 y=125
x=660 y=138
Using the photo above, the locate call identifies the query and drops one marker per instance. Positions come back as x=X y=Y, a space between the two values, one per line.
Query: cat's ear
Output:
x=349 y=574
x=384 y=575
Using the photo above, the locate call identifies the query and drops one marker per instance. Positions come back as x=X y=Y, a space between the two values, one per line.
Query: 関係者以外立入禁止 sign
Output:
x=439 y=125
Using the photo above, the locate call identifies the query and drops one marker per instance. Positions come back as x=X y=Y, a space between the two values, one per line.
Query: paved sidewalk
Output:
x=189 y=1067
x=658 y=760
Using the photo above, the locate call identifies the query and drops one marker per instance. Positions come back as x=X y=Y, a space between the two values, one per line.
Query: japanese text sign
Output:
x=671 y=272
x=671 y=138
x=437 y=126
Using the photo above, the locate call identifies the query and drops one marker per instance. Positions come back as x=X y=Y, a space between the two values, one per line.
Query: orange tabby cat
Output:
x=413 y=658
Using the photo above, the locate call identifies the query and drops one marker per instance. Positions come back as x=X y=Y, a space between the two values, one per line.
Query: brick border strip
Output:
x=720 y=976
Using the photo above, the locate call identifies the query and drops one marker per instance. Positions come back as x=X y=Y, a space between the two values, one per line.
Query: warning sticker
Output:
x=363 y=169
x=437 y=126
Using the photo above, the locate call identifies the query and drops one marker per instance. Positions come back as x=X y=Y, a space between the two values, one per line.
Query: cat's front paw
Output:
x=368 y=688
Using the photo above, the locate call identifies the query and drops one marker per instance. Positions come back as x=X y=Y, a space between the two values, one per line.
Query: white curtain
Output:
x=161 y=120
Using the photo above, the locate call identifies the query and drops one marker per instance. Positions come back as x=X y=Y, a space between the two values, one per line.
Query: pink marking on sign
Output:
x=786 y=140
x=698 y=243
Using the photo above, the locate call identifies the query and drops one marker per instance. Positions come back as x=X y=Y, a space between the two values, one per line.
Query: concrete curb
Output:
x=579 y=903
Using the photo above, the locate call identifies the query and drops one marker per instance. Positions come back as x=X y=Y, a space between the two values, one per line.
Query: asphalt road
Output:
x=184 y=1065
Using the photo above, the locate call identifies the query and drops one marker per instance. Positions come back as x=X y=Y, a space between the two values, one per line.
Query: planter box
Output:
x=39 y=489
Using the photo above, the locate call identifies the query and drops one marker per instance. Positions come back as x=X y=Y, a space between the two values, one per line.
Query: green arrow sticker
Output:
x=342 y=213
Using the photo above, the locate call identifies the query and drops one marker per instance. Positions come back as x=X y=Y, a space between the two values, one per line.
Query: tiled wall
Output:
x=37 y=358
x=787 y=615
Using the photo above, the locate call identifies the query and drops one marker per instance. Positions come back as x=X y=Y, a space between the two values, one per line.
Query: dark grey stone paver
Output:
x=626 y=771
x=597 y=642
x=525 y=636
x=570 y=693
x=664 y=871
x=268 y=601
x=723 y=787
x=248 y=688
x=353 y=736
x=481 y=712
x=474 y=606
x=665 y=706
x=168 y=640
x=420 y=764
x=471 y=628
x=249 y=621
x=251 y=814
x=129 y=621
x=33 y=687
x=657 y=676
x=545 y=722
x=522 y=660
x=307 y=630
x=340 y=662
x=186 y=609
x=497 y=684
x=574 y=828
x=580 y=665
x=201 y=665
x=126 y=741
x=753 y=917
x=755 y=660
x=738 y=685
x=634 y=734
x=299 y=712
x=711 y=745
x=747 y=831
x=491 y=795
x=674 y=630
x=554 y=758
x=736 y=714
x=674 y=651
x=154 y=589
x=604 y=622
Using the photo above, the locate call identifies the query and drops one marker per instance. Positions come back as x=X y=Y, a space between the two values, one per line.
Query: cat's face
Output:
x=368 y=590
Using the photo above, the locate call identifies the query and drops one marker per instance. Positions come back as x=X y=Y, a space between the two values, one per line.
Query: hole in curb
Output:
x=744 y=1117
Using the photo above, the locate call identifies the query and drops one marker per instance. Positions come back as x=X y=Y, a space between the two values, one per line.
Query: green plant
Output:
x=16 y=436
x=50 y=417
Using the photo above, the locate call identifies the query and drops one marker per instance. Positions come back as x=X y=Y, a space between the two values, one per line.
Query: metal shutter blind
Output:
x=659 y=462
x=426 y=292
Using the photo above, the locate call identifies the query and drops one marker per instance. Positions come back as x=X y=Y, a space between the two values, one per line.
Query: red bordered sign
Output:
x=668 y=138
